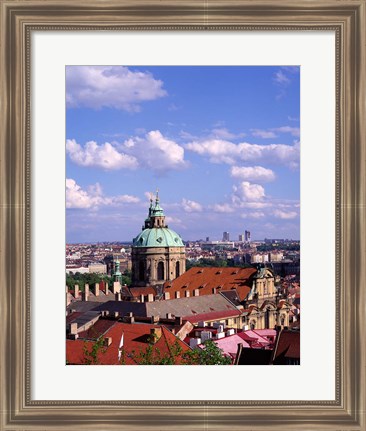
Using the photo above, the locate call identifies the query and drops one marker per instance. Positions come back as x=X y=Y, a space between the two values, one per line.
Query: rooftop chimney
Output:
x=96 y=289
x=155 y=334
x=73 y=328
x=107 y=341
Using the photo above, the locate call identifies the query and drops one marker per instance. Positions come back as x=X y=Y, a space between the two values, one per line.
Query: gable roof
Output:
x=208 y=278
x=135 y=339
x=177 y=307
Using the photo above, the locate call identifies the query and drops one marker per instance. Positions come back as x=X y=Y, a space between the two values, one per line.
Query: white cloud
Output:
x=255 y=214
x=174 y=221
x=104 y=156
x=295 y=131
x=76 y=197
x=281 y=78
x=252 y=173
x=248 y=192
x=155 y=152
x=191 y=206
x=284 y=215
x=257 y=205
x=264 y=134
x=223 y=208
x=152 y=151
x=110 y=86
x=221 y=151
x=224 y=133
x=273 y=133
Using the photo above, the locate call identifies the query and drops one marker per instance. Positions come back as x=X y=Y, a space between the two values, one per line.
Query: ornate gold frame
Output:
x=18 y=19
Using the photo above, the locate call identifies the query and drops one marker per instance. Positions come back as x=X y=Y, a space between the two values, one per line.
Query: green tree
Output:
x=91 y=355
x=209 y=355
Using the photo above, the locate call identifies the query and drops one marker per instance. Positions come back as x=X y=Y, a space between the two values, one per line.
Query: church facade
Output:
x=158 y=253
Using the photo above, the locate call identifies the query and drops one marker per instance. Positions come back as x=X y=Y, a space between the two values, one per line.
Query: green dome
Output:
x=158 y=237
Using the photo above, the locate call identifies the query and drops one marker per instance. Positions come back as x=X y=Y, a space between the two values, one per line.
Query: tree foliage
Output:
x=91 y=278
x=209 y=355
x=91 y=355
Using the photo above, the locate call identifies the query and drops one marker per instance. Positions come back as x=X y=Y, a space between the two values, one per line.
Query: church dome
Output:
x=158 y=237
x=155 y=233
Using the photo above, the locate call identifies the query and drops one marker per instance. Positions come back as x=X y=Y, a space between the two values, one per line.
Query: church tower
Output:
x=158 y=253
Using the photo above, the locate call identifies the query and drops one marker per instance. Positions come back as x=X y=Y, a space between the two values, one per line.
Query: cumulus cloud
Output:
x=284 y=215
x=222 y=151
x=246 y=191
x=252 y=173
x=104 y=156
x=93 y=197
x=155 y=151
x=152 y=151
x=110 y=86
x=191 y=206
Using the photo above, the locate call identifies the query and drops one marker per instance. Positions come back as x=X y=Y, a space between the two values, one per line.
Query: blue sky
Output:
x=222 y=145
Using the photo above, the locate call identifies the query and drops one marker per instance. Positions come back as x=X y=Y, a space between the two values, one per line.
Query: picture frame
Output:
x=18 y=19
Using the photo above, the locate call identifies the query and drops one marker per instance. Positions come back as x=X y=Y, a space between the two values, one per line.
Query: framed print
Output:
x=49 y=50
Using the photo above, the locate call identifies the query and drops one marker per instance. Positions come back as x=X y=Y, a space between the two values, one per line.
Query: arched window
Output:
x=252 y=325
x=161 y=271
x=141 y=271
x=177 y=270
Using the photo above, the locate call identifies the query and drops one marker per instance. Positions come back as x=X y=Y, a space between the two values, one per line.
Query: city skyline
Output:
x=222 y=145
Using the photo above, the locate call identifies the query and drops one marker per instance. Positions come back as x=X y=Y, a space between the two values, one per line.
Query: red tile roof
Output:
x=138 y=291
x=214 y=315
x=135 y=339
x=98 y=329
x=288 y=345
x=208 y=278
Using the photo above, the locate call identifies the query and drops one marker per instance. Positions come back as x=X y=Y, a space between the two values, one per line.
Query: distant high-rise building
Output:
x=207 y=238
x=226 y=236
x=247 y=236
x=241 y=238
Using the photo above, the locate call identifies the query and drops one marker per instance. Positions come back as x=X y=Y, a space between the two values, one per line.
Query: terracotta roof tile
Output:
x=209 y=278
x=135 y=338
